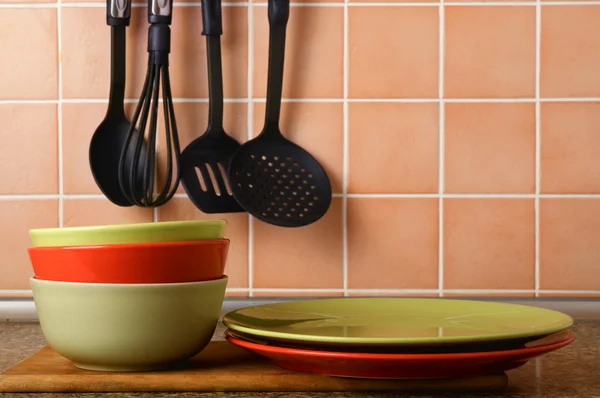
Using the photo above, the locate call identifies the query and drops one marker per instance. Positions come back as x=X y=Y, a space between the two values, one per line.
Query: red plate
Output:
x=399 y=366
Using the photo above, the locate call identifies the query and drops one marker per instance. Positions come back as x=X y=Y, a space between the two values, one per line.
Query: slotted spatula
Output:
x=204 y=162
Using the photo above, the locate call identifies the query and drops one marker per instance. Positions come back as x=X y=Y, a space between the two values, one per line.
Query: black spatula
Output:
x=272 y=178
x=204 y=161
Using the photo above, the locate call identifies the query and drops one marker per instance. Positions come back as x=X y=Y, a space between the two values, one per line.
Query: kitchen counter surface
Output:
x=572 y=372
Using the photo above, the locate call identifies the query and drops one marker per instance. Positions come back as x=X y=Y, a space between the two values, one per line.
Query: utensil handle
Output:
x=212 y=28
x=159 y=32
x=212 y=20
x=118 y=54
x=160 y=11
x=279 y=11
x=118 y=12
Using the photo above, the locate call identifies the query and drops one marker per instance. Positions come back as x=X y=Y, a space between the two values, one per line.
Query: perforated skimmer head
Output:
x=280 y=183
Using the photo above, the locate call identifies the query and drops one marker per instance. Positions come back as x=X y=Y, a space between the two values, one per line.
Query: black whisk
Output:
x=145 y=194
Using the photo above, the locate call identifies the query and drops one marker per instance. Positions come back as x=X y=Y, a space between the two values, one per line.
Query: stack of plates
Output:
x=398 y=338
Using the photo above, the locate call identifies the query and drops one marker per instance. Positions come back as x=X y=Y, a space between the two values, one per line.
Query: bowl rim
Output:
x=129 y=246
x=222 y=279
x=130 y=227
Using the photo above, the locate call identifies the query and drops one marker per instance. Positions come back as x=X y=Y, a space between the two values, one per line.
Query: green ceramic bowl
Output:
x=170 y=231
x=110 y=327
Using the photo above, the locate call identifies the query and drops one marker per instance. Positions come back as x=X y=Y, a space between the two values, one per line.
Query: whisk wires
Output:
x=140 y=185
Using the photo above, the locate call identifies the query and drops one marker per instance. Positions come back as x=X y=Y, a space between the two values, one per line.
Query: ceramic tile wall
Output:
x=462 y=139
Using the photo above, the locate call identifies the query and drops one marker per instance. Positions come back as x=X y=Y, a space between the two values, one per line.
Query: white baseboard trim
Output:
x=24 y=309
x=11 y=310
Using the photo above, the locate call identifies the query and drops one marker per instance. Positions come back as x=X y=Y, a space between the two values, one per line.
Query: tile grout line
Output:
x=345 y=154
x=330 y=4
x=385 y=291
x=538 y=38
x=59 y=115
x=250 y=118
x=236 y=290
x=88 y=196
x=441 y=148
x=326 y=4
x=143 y=5
x=315 y=100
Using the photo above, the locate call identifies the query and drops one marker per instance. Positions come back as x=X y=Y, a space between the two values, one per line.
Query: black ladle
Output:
x=272 y=178
x=204 y=161
x=109 y=138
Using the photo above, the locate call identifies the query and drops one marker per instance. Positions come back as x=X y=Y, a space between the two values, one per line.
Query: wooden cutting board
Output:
x=220 y=367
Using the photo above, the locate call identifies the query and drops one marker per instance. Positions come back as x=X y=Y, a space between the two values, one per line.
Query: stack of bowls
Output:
x=129 y=297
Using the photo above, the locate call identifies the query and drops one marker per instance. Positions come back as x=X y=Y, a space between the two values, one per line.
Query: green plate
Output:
x=395 y=321
x=168 y=231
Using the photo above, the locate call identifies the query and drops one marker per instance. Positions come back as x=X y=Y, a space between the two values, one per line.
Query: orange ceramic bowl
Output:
x=165 y=262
